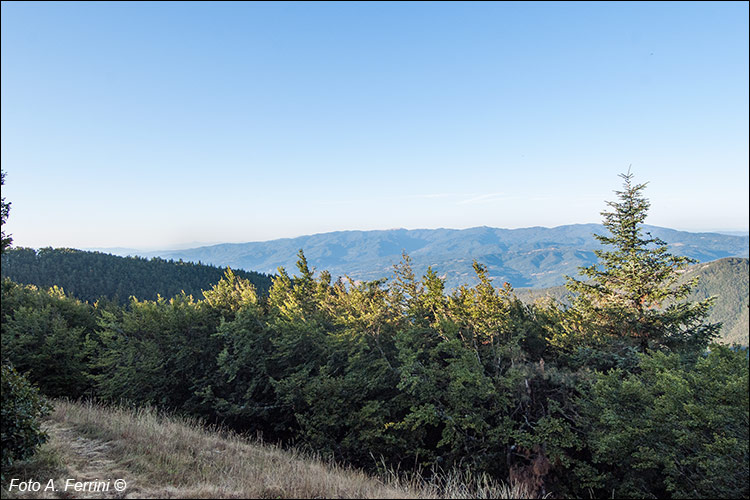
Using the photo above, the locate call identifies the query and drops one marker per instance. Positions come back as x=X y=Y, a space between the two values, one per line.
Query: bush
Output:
x=673 y=430
x=22 y=407
x=44 y=336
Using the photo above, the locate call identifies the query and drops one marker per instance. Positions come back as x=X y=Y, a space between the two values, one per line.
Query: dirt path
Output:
x=89 y=460
x=90 y=469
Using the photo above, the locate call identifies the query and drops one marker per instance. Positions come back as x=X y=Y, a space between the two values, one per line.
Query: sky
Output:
x=157 y=125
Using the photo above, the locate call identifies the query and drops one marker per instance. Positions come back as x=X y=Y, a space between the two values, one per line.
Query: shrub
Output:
x=22 y=408
x=673 y=430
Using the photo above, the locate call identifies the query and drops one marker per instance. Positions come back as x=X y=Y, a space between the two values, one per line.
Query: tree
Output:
x=231 y=294
x=670 y=429
x=633 y=292
x=22 y=409
x=44 y=336
x=4 y=211
x=160 y=352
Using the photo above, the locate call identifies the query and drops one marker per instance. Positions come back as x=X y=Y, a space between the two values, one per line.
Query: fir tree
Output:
x=5 y=241
x=632 y=293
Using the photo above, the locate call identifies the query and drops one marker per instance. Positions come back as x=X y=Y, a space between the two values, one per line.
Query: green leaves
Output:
x=632 y=292
x=22 y=408
x=5 y=241
x=671 y=428
x=44 y=335
x=94 y=276
x=231 y=294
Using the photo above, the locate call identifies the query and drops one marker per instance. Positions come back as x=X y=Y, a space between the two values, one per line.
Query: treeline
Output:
x=405 y=373
x=91 y=276
x=615 y=394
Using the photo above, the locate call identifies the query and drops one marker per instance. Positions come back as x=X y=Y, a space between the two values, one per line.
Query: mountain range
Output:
x=534 y=257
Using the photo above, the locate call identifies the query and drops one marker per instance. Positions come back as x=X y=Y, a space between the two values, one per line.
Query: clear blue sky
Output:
x=154 y=124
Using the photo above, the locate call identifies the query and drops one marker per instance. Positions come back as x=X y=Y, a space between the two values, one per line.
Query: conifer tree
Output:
x=5 y=241
x=633 y=293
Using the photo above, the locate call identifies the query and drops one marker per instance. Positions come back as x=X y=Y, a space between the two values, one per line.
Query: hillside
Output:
x=529 y=257
x=168 y=457
x=92 y=275
x=727 y=279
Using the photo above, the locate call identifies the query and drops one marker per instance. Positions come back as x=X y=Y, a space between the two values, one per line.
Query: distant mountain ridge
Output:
x=528 y=257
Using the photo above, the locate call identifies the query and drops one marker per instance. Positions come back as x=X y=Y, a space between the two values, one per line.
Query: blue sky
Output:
x=157 y=124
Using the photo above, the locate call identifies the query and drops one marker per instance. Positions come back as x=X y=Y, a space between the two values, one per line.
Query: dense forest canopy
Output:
x=619 y=393
x=90 y=276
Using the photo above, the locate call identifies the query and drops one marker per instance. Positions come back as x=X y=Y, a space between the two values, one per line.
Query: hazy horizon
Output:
x=198 y=244
x=158 y=124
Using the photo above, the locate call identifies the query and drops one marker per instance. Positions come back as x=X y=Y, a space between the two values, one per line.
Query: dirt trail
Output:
x=89 y=460
x=86 y=460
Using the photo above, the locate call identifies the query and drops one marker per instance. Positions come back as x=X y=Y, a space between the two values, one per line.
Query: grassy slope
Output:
x=168 y=457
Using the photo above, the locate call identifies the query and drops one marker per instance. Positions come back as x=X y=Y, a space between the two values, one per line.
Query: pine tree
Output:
x=633 y=292
x=5 y=241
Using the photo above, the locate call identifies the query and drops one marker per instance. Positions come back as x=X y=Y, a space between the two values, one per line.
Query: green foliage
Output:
x=450 y=353
x=5 y=241
x=242 y=393
x=727 y=281
x=91 y=276
x=633 y=293
x=22 y=408
x=331 y=362
x=44 y=334
x=158 y=352
x=231 y=294
x=352 y=400
x=724 y=279
x=167 y=352
x=672 y=429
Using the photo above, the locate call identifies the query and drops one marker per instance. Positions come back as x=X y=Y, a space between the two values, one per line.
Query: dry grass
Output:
x=172 y=457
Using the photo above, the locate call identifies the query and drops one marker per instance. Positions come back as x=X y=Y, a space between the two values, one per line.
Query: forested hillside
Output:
x=526 y=257
x=726 y=279
x=92 y=275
